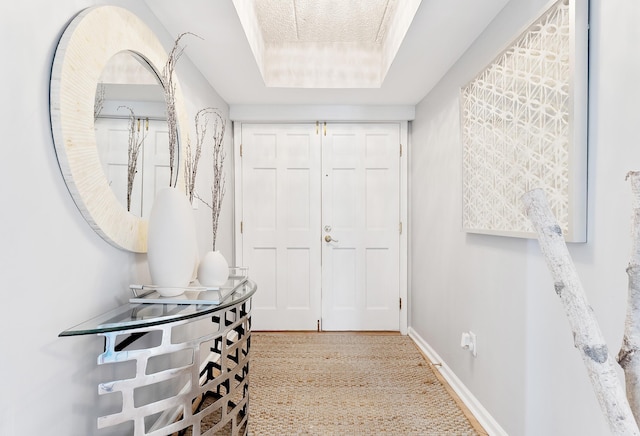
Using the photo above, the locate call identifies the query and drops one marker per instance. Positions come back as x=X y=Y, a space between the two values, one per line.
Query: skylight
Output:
x=325 y=43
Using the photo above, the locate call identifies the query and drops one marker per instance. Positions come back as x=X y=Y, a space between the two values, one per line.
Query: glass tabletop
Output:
x=135 y=315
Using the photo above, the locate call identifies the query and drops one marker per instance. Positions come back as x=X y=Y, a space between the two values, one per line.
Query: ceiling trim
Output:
x=312 y=113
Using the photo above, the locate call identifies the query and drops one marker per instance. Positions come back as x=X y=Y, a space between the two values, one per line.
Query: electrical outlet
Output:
x=468 y=342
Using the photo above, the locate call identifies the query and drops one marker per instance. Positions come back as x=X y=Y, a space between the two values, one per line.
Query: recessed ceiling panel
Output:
x=323 y=20
x=325 y=43
x=277 y=20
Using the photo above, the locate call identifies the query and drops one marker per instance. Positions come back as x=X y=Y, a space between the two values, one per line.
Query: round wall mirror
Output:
x=96 y=37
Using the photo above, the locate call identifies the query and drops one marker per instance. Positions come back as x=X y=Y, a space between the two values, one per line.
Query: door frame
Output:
x=402 y=150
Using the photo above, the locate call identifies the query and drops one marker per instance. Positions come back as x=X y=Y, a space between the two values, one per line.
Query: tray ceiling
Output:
x=438 y=34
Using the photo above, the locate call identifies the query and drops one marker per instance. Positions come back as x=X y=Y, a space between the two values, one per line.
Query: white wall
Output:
x=56 y=272
x=527 y=373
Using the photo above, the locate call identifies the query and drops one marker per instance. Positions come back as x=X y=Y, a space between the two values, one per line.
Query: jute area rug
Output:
x=347 y=384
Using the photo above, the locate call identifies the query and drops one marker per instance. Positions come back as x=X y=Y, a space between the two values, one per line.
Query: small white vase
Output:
x=213 y=270
x=171 y=244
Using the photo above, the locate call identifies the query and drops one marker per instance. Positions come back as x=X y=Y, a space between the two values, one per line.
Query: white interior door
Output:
x=281 y=223
x=361 y=227
x=112 y=137
x=299 y=186
x=155 y=167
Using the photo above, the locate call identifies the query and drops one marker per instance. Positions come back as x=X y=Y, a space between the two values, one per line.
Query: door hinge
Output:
x=240 y=150
x=400 y=303
x=400 y=150
x=400 y=227
x=324 y=128
x=241 y=227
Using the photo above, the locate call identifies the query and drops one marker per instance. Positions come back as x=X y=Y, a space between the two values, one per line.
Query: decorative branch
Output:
x=136 y=140
x=169 y=87
x=218 y=184
x=192 y=161
x=629 y=355
x=588 y=338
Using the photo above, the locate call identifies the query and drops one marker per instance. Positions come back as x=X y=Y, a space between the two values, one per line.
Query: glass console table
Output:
x=195 y=355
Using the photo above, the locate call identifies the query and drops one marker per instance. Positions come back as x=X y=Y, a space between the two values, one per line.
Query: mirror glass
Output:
x=131 y=131
x=97 y=41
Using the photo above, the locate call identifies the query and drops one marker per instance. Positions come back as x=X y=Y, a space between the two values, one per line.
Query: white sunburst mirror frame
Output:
x=524 y=126
x=91 y=39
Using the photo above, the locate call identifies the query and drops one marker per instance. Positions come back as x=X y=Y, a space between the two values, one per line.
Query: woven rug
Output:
x=347 y=384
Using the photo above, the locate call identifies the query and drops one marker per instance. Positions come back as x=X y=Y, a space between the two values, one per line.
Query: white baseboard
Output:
x=482 y=415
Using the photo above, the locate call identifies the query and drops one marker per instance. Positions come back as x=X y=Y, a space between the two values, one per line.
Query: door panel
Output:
x=360 y=208
x=281 y=221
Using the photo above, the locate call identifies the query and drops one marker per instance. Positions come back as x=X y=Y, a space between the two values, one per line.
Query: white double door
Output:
x=320 y=215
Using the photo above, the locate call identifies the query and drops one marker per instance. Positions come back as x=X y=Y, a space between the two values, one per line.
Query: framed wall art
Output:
x=524 y=126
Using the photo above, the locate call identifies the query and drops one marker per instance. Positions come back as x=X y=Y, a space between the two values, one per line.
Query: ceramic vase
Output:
x=171 y=244
x=213 y=270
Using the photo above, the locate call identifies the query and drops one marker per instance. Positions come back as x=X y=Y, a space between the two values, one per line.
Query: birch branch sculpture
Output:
x=629 y=355
x=588 y=338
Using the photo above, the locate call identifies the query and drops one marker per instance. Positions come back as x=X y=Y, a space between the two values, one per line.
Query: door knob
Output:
x=328 y=238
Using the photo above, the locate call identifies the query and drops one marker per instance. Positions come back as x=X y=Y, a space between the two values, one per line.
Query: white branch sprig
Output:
x=169 y=87
x=193 y=156
x=218 y=186
x=137 y=136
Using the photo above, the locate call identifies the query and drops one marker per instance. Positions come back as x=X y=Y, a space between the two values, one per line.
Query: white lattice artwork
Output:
x=524 y=126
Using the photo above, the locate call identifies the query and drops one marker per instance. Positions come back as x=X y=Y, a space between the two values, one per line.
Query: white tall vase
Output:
x=171 y=245
x=213 y=270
